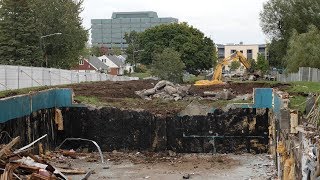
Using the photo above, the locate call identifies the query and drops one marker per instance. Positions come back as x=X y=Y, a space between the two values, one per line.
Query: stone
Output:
x=162 y=84
x=170 y=90
x=187 y=176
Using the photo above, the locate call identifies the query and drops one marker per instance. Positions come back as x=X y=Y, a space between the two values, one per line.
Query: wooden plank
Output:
x=8 y=146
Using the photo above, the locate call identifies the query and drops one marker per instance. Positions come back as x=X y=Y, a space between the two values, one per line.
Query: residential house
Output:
x=127 y=66
x=115 y=65
x=93 y=64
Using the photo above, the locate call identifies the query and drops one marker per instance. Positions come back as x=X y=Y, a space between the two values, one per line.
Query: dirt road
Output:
x=194 y=166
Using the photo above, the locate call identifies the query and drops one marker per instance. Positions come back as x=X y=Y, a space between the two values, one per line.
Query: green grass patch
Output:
x=15 y=92
x=192 y=79
x=141 y=75
x=298 y=102
x=89 y=100
x=304 y=87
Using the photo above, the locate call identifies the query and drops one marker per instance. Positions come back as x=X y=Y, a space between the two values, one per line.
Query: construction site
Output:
x=151 y=129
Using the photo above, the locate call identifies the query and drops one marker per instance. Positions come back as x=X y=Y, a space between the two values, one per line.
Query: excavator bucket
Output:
x=207 y=83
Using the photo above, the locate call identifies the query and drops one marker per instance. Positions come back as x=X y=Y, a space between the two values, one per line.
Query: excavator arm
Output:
x=217 y=76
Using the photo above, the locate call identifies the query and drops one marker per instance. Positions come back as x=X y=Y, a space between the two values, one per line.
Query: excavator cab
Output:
x=217 y=76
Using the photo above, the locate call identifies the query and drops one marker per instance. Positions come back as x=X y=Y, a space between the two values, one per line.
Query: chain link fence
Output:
x=17 y=77
x=304 y=74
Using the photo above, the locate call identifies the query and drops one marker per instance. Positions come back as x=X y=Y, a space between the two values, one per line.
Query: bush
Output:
x=140 y=68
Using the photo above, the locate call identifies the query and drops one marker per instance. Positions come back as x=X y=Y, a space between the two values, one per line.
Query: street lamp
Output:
x=45 y=36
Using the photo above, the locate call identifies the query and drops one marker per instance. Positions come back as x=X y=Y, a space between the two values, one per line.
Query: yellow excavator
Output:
x=217 y=76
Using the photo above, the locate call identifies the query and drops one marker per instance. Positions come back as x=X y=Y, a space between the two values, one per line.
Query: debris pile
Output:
x=165 y=90
x=21 y=164
x=225 y=94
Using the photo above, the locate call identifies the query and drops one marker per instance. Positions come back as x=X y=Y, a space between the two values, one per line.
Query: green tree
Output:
x=168 y=65
x=19 y=40
x=253 y=64
x=262 y=64
x=116 y=51
x=60 y=16
x=304 y=50
x=133 y=49
x=197 y=51
x=280 y=17
x=95 y=50
x=234 y=65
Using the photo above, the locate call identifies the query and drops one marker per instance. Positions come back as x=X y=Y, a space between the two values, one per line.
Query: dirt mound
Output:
x=236 y=88
x=124 y=89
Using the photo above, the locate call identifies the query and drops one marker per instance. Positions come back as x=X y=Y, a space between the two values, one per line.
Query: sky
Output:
x=224 y=21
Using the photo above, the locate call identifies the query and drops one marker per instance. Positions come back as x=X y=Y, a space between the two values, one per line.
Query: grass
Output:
x=193 y=79
x=15 y=92
x=89 y=100
x=297 y=102
x=304 y=87
x=141 y=75
x=297 y=89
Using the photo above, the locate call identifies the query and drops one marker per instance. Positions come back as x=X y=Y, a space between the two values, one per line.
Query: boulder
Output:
x=170 y=90
x=162 y=84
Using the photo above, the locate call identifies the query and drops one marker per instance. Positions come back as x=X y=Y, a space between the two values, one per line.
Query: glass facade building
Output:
x=110 y=32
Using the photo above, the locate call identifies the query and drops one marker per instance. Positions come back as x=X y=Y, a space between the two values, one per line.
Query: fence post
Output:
x=31 y=74
x=5 y=77
x=18 y=77
x=50 y=77
x=60 y=76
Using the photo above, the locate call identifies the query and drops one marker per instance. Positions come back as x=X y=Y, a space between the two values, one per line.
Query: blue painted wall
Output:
x=19 y=106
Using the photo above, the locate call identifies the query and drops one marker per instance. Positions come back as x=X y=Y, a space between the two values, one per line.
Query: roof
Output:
x=115 y=60
x=94 y=61
x=123 y=58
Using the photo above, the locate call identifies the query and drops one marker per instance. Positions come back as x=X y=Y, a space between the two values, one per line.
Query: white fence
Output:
x=17 y=77
x=304 y=74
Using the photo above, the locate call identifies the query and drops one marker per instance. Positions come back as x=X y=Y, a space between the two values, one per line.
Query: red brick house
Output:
x=93 y=64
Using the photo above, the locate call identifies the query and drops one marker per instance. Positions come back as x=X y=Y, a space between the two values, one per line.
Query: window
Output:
x=249 y=54
x=81 y=62
x=104 y=60
x=233 y=51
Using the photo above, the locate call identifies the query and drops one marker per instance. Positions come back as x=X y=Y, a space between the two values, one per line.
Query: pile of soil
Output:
x=124 y=89
x=236 y=88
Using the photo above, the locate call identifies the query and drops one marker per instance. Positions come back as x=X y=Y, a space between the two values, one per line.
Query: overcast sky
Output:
x=225 y=21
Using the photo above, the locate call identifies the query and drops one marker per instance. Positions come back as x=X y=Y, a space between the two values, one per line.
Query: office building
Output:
x=110 y=32
x=250 y=51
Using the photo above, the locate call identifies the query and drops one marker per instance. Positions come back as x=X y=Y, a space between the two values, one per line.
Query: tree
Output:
x=276 y=52
x=304 y=50
x=280 y=17
x=234 y=65
x=19 y=40
x=60 y=16
x=116 y=51
x=168 y=65
x=99 y=51
x=262 y=64
x=197 y=51
x=133 y=48
x=253 y=64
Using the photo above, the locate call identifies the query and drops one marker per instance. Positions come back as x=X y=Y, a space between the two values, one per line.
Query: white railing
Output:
x=17 y=77
x=304 y=74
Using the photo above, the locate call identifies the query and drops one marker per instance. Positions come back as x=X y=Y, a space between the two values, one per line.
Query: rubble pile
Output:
x=22 y=164
x=165 y=90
